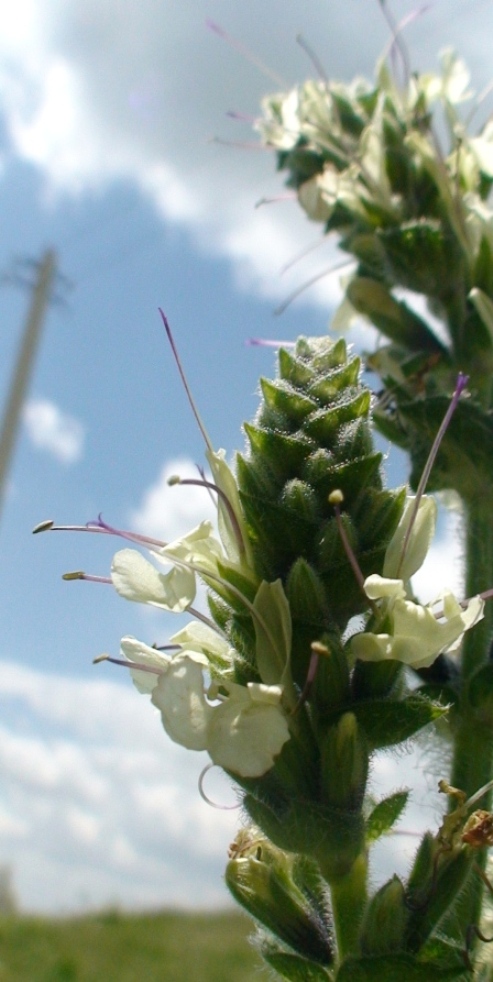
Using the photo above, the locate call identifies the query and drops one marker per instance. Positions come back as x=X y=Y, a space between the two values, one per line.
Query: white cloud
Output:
x=52 y=430
x=169 y=512
x=91 y=783
x=94 y=92
x=97 y=806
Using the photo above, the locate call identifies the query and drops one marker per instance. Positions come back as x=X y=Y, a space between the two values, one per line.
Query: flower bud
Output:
x=435 y=884
x=264 y=886
x=385 y=920
x=344 y=765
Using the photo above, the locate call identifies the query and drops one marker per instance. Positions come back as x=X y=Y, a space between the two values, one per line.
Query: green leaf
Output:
x=465 y=458
x=422 y=256
x=294 y=369
x=390 y=968
x=326 y=387
x=432 y=897
x=387 y=722
x=372 y=299
x=306 y=875
x=385 y=814
x=294 y=968
x=383 y=927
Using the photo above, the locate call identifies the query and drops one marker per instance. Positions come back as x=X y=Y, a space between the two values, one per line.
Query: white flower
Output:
x=243 y=728
x=414 y=634
x=135 y=578
x=198 y=637
x=418 y=635
x=152 y=661
x=243 y=731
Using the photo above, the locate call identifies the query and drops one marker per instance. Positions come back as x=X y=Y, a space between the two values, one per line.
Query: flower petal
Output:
x=136 y=651
x=423 y=530
x=199 y=548
x=245 y=734
x=179 y=695
x=225 y=480
x=201 y=638
x=418 y=635
x=136 y=579
x=379 y=587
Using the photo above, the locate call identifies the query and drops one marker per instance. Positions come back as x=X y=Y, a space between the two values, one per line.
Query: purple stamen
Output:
x=184 y=380
x=460 y=387
x=240 y=117
x=345 y=542
x=267 y=343
x=242 y=145
x=318 y=650
x=205 y=797
x=335 y=499
x=205 y=620
x=101 y=527
x=245 y=53
x=129 y=664
x=333 y=268
x=145 y=540
x=51 y=527
x=348 y=550
x=204 y=483
x=315 y=60
x=275 y=200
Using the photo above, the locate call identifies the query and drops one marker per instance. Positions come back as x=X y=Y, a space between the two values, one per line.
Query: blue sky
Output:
x=106 y=117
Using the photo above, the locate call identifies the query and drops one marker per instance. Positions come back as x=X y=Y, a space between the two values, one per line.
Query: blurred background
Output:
x=119 y=150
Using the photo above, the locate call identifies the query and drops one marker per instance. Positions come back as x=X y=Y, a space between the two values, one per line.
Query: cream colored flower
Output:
x=243 y=730
x=410 y=632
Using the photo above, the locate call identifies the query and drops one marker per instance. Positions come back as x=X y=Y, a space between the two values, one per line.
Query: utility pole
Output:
x=41 y=290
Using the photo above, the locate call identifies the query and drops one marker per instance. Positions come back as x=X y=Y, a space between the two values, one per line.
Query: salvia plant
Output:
x=315 y=654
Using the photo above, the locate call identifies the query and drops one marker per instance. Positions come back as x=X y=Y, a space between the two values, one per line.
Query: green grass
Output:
x=117 y=947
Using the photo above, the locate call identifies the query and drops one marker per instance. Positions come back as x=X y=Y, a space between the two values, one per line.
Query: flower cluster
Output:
x=369 y=163
x=237 y=682
x=273 y=683
x=364 y=158
x=243 y=727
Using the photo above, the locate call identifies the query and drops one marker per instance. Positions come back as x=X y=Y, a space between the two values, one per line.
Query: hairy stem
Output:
x=473 y=738
x=349 y=896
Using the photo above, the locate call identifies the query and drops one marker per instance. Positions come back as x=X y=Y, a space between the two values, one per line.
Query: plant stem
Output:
x=349 y=897
x=473 y=751
x=473 y=737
